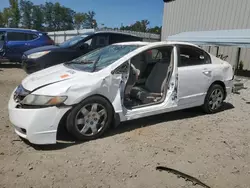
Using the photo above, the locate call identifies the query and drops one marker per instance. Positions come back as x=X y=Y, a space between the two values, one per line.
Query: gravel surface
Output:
x=212 y=148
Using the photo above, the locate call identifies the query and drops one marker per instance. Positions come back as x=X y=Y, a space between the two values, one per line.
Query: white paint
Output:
x=41 y=124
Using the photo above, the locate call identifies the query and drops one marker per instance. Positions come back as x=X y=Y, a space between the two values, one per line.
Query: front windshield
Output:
x=101 y=58
x=72 y=41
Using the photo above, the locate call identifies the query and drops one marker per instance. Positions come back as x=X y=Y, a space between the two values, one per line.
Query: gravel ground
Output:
x=212 y=148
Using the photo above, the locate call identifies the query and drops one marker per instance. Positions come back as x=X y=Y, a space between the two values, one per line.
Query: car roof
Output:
x=132 y=43
x=156 y=43
x=110 y=32
x=20 y=30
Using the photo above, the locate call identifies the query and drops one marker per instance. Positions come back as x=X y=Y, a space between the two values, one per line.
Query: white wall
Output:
x=201 y=15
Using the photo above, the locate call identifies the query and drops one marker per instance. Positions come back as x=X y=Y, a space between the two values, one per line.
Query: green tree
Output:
x=90 y=21
x=26 y=13
x=140 y=26
x=62 y=17
x=68 y=18
x=1 y=19
x=48 y=16
x=156 y=30
x=15 y=13
x=6 y=14
x=79 y=19
x=37 y=17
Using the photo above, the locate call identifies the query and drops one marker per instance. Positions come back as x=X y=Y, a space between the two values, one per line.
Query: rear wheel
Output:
x=214 y=99
x=90 y=118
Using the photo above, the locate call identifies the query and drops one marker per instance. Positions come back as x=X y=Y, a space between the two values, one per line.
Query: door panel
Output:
x=169 y=102
x=193 y=83
x=16 y=45
x=118 y=79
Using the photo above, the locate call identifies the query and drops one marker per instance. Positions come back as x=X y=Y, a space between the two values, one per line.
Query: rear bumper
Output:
x=229 y=86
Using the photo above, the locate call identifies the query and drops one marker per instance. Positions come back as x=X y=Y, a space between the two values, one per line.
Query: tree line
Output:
x=56 y=17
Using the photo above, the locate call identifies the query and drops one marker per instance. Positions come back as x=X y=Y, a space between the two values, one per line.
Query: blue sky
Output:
x=114 y=12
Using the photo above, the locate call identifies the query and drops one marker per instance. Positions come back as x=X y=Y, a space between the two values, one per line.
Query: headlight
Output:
x=37 y=54
x=42 y=100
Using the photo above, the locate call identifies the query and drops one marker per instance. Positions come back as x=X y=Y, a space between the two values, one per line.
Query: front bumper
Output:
x=31 y=65
x=38 y=126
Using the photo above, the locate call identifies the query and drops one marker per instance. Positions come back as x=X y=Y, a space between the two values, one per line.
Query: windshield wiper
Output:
x=95 y=63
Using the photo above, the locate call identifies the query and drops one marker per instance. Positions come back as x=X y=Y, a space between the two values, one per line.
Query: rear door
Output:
x=16 y=44
x=194 y=75
x=31 y=41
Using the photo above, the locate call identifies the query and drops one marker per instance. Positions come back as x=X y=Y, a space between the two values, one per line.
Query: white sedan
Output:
x=117 y=83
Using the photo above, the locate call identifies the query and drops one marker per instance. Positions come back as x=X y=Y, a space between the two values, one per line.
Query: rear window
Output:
x=116 y=38
x=31 y=36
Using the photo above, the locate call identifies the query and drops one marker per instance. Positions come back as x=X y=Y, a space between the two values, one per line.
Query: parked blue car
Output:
x=14 y=42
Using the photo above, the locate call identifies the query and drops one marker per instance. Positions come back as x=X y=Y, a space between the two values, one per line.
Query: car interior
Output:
x=148 y=77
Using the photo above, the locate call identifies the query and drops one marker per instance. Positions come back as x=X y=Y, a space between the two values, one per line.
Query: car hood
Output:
x=40 y=49
x=52 y=75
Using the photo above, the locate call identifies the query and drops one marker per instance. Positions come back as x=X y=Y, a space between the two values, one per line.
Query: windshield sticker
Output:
x=64 y=76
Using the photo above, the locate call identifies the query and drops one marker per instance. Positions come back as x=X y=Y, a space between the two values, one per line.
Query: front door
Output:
x=195 y=75
x=169 y=98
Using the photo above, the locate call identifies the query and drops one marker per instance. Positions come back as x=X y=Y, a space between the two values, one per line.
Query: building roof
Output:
x=237 y=37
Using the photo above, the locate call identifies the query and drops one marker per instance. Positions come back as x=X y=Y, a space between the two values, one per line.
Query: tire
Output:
x=93 y=117
x=214 y=99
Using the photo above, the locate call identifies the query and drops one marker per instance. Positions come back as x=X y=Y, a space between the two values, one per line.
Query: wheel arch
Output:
x=62 y=123
x=222 y=84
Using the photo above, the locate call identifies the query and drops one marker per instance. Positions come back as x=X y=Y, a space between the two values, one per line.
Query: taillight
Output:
x=51 y=42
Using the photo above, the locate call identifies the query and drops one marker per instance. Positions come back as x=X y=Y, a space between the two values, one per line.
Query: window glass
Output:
x=156 y=54
x=101 y=58
x=146 y=60
x=72 y=41
x=190 y=56
x=2 y=35
x=16 y=36
x=116 y=38
x=100 y=41
x=31 y=36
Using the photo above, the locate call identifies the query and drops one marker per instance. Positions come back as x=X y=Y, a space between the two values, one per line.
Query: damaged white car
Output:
x=117 y=83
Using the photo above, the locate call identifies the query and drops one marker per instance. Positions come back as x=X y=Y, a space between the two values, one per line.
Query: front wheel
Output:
x=214 y=99
x=90 y=118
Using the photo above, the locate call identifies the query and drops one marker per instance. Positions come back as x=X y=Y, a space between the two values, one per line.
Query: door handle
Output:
x=207 y=72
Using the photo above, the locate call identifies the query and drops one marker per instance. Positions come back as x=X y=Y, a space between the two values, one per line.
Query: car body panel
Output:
x=14 y=49
x=60 y=80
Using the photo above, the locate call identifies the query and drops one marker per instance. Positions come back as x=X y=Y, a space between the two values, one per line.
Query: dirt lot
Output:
x=212 y=148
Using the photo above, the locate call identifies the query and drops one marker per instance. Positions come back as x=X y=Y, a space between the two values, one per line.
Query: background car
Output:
x=43 y=57
x=14 y=42
x=91 y=93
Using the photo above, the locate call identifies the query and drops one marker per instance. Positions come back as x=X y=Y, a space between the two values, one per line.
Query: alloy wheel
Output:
x=91 y=119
